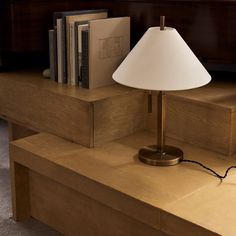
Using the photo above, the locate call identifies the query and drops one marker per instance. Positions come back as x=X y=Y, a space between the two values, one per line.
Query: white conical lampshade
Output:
x=161 y=61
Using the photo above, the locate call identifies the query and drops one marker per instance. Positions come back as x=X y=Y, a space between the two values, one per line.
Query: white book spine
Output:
x=72 y=54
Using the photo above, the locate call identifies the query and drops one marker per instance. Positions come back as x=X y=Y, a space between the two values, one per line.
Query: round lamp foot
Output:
x=168 y=157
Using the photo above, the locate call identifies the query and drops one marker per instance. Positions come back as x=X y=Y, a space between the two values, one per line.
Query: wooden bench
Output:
x=106 y=191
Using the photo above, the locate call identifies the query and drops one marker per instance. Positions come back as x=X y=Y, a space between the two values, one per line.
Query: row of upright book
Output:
x=86 y=47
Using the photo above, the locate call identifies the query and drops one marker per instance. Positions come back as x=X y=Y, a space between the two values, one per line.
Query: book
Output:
x=59 y=51
x=70 y=52
x=52 y=54
x=70 y=32
x=62 y=16
x=79 y=27
x=74 y=55
x=108 y=44
x=85 y=59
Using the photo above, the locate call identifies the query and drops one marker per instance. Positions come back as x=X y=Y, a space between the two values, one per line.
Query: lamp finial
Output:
x=162 y=22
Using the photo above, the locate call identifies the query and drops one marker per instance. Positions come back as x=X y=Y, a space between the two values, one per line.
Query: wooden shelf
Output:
x=107 y=190
x=87 y=117
x=204 y=116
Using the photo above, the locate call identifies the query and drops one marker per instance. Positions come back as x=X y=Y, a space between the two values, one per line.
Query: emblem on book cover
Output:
x=111 y=47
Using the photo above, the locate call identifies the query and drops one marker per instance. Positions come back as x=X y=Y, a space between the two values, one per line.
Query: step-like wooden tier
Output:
x=204 y=116
x=107 y=191
x=88 y=117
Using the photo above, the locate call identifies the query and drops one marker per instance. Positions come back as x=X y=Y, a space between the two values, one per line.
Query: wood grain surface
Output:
x=204 y=117
x=31 y=101
x=73 y=213
x=164 y=199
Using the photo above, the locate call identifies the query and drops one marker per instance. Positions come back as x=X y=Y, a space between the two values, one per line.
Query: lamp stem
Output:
x=161 y=113
x=160 y=154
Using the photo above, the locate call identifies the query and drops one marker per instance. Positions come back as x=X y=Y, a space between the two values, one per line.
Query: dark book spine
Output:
x=76 y=54
x=85 y=59
x=64 y=50
x=53 y=54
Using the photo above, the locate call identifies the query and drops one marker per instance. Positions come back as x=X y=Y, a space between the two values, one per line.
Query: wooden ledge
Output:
x=219 y=94
x=34 y=79
x=204 y=116
x=87 y=117
x=177 y=200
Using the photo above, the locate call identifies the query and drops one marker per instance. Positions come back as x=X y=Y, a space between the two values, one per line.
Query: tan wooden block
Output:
x=73 y=213
x=212 y=207
x=112 y=176
x=117 y=117
x=178 y=226
x=58 y=152
x=199 y=124
x=87 y=117
x=204 y=117
x=19 y=191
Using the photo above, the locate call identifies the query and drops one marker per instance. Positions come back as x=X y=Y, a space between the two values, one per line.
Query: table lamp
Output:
x=161 y=61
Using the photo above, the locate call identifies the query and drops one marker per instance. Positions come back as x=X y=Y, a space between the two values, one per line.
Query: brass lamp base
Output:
x=168 y=157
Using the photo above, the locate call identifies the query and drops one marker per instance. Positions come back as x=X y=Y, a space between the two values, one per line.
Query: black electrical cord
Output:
x=209 y=169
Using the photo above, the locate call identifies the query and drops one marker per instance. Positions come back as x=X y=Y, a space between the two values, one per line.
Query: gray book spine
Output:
x=76 y=53
x=64 y=63
x=85 y=59
x=52 y=54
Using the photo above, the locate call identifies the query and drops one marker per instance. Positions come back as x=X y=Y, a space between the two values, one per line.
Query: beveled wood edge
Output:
x=19 y=191
x=37 y=130
x=175 y=225
x=75 y=92
x=207 y=104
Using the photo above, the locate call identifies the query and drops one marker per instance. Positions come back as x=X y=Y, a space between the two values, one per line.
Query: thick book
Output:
x=59 y=51
x=85 y=59
x=70 y=32
x=52 y=54
x=62 y=16
x=108 y=45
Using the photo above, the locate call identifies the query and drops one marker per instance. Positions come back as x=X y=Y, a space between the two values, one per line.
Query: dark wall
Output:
x=207 y=26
